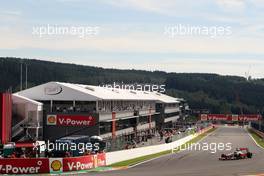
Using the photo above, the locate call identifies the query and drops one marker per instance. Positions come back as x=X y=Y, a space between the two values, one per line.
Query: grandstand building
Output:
x=55 y=109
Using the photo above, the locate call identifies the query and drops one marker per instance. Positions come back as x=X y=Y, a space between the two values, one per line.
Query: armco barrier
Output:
x=58 y=165
x=261 y=134
x=123 y=155
x=50 y=165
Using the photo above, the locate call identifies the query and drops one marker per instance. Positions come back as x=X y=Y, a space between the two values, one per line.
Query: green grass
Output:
x=140 y=159
x=257 y=138
x=156 y=155
x=198 y=138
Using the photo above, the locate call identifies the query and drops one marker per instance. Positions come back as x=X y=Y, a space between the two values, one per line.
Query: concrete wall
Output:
x=123 y=155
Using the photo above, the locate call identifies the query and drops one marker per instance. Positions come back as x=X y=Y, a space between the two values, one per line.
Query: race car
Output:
x=240 y=153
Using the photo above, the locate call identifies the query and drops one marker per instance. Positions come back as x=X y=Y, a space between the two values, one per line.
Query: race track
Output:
x=202 y=163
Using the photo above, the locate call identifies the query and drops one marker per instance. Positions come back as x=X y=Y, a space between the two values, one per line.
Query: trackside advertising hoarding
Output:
x=80 y=163
x=70 y=120
x=24 y=166
x=230 y=117
x=57 y=125
x=50 y=165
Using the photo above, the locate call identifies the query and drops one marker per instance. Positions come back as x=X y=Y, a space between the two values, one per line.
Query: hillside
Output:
x=220 y=94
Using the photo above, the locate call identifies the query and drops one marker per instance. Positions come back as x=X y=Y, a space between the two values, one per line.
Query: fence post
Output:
x=113 y=125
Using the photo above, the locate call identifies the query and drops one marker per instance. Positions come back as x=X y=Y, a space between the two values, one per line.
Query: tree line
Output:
x=219 y=94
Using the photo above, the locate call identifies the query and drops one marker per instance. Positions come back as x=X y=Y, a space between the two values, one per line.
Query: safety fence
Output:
x=123 y=155
x=69 y=164
x=257 y=126
x=141 y=139
x=259 y=133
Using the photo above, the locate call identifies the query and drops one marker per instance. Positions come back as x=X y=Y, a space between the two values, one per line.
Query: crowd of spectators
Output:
x=20 y=153
x=144 y=137
x=124 y=106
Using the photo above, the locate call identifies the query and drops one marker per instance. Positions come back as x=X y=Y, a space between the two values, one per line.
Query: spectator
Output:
x=161 y=135
x=13 y=155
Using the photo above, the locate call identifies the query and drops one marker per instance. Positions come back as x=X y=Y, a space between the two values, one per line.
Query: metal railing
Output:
x=257 y=126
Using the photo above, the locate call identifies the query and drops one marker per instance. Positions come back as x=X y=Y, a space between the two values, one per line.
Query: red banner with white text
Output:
x=50 y=165
x=70 y=120
x=230 y=117
x=24 y=166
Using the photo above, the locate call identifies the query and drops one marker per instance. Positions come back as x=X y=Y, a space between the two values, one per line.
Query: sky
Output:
x=139 y=34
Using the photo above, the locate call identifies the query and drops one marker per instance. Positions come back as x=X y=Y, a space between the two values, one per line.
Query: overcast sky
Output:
x=132 y=34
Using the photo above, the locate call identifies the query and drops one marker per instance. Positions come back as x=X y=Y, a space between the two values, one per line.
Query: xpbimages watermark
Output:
x=60 y=30
x=136 y=87
x=210 y=147
x=66 y=146
x=173 y=31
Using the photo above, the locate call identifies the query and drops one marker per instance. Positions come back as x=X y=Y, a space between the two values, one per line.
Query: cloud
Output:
x=7 y=15
x=138 y=36
x=257 y=3
x=177 y=5
x=232 y=4
x=11 y=13
x=168 y=7
x=148 y=5
x=212 y=10
x=137 y=42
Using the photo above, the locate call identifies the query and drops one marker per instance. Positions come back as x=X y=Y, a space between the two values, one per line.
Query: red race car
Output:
x=240 y=153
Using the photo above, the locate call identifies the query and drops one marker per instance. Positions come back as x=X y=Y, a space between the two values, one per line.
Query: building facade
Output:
x=112 y=111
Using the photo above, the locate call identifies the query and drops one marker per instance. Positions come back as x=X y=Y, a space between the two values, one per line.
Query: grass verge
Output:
x=257 y=138
x=156 y=155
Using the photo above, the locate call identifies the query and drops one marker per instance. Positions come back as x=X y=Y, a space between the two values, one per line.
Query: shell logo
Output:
x=56 y=165
x=51 y=120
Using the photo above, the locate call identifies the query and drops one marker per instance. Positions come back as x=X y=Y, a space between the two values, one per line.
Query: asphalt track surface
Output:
x=202 y=163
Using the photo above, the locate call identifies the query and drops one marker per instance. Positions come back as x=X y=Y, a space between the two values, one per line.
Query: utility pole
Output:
x=21 y=76
x=26 y=76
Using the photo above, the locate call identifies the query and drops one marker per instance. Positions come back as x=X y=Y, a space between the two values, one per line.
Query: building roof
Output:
x=21 y=99
x=67 y=91
x=32 y=105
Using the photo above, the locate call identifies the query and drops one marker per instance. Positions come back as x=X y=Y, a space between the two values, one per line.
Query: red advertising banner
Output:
x=24 y=166
x=229 y=117
x=50 y=165
x=70 y=120
x=249 y=117
x=101 y=160
x=78 y=163
x=235 y=118
x=217 y=117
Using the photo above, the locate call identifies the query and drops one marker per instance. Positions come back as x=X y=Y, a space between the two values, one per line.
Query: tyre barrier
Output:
x=50 y=165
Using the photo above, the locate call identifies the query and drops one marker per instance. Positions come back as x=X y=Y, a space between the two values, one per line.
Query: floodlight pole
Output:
x=21 y=76
x=26 y=76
